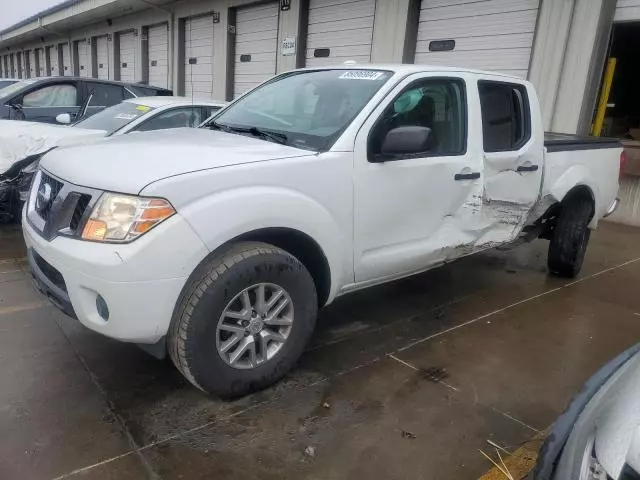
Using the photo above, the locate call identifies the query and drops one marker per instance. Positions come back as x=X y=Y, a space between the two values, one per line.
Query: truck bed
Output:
x=562 y=142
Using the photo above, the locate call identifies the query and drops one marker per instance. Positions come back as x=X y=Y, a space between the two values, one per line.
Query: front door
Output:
x=45 y=103
x=512 y=158
x=414 y=210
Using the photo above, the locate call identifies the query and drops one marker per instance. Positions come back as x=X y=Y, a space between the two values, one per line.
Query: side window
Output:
x=505 y=116
x=52 y=96
x=175 y=118
x=438 y=105
x=104 y=95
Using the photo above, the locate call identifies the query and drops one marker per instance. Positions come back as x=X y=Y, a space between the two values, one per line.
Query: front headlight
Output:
x=122 y=218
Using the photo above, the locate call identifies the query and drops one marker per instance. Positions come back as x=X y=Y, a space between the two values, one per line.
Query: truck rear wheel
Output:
x=243 y=319
x=570 y=238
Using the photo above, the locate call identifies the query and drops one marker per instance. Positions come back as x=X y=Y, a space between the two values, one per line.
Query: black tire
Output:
x=570 y=238
x=192 y=335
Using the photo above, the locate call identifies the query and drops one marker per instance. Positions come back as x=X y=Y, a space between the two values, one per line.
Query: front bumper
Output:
x=139 y=282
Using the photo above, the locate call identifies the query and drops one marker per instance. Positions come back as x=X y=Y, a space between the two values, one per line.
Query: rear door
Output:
x=103 y=95
x=45 y=102
x=513 y=154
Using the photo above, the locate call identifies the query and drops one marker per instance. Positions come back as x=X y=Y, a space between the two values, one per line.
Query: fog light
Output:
x=101 y=306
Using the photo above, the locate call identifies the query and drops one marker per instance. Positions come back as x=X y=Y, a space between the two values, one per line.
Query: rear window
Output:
x=150 y=92
x=505 y=116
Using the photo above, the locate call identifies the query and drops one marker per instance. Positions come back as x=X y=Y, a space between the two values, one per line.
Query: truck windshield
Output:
x=114 y=118
x=308 y=109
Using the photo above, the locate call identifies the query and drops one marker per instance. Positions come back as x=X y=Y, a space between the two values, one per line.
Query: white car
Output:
x=218 y=244
x=22 y=143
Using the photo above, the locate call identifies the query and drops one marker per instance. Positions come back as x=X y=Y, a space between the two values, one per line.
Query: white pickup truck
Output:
x=218 y=244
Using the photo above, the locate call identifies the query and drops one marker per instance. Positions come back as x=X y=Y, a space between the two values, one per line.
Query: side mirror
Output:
x=64 y=118
x=406 y=140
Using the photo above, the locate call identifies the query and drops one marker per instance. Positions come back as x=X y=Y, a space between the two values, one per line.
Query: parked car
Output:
x=43 y=99
x=598 y=436
x=222 y=242
x=5 y=82
x=23 y=143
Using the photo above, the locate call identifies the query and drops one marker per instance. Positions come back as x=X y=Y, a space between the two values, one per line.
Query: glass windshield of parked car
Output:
x=308 y=109
x=114 y=118
x=9 y=90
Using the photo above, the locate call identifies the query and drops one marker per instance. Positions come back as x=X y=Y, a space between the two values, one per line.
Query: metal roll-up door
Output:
x=40 y=63
x=67 y=71
x=627 y=11
x=20 y=65
x=495 y=35
x=54 y=65
x=12 y=64
x=339 y=30
x=256 y=46
x=198 y=59
x=158 y=44
x=102 y=57
x=83 y=66
x=26 y=65
x=3 y=71
x=128 y=57
x=30 y=63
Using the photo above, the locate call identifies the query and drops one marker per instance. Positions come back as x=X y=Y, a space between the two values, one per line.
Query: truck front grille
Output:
x=57 y=207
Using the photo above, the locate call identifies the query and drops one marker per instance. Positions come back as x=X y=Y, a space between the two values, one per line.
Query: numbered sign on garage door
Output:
x=102 y=57
x=339 y=31
x=494 y=35
x=159 y=56
x=83 y=64
x=256 y=46
x=67 y=71
x=198 y=59
x=128 y=57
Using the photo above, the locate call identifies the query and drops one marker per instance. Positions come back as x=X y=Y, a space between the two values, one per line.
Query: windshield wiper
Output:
x=254 y=131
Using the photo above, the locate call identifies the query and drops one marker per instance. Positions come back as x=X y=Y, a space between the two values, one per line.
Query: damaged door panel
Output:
x=512 y=162
x=415 y=204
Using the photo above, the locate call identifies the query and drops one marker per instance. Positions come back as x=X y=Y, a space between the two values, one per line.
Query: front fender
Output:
x=225 y=215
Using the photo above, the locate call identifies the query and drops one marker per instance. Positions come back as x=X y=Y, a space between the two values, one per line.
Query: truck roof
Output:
x=405 y=68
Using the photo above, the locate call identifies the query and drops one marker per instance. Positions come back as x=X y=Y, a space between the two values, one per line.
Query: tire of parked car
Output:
x=248 y=295
x=570 y=238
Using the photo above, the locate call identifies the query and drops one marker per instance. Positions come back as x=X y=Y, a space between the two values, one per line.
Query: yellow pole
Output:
x=607 y=82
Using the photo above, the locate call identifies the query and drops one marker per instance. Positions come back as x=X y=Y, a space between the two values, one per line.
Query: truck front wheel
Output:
x=570 y=238
x=243 y=320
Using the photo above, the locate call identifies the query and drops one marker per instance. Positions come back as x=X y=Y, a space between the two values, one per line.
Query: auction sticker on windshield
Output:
x=361 y=75
x=126 y=116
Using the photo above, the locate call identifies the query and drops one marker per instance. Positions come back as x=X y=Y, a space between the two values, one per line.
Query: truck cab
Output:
x=217 y=245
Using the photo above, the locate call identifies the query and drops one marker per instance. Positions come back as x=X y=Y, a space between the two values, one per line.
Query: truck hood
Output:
x=19 y=140
x=128 y=163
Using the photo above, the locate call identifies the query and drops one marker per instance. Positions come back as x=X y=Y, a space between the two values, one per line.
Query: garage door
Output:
x=627 y=11
x=102 y=57
x=256 y=46
x=159 y=56
x=128 y=57
x=67 y=71
x=30 y=60
x=83 y=61
x=492 y=35
x=40 y=63
x=198 y=69
x=54 y=68
x=339 y=31
x=25 y=63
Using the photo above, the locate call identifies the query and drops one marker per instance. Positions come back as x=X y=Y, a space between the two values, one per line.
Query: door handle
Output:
x=467 y=176
x=527 y=168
